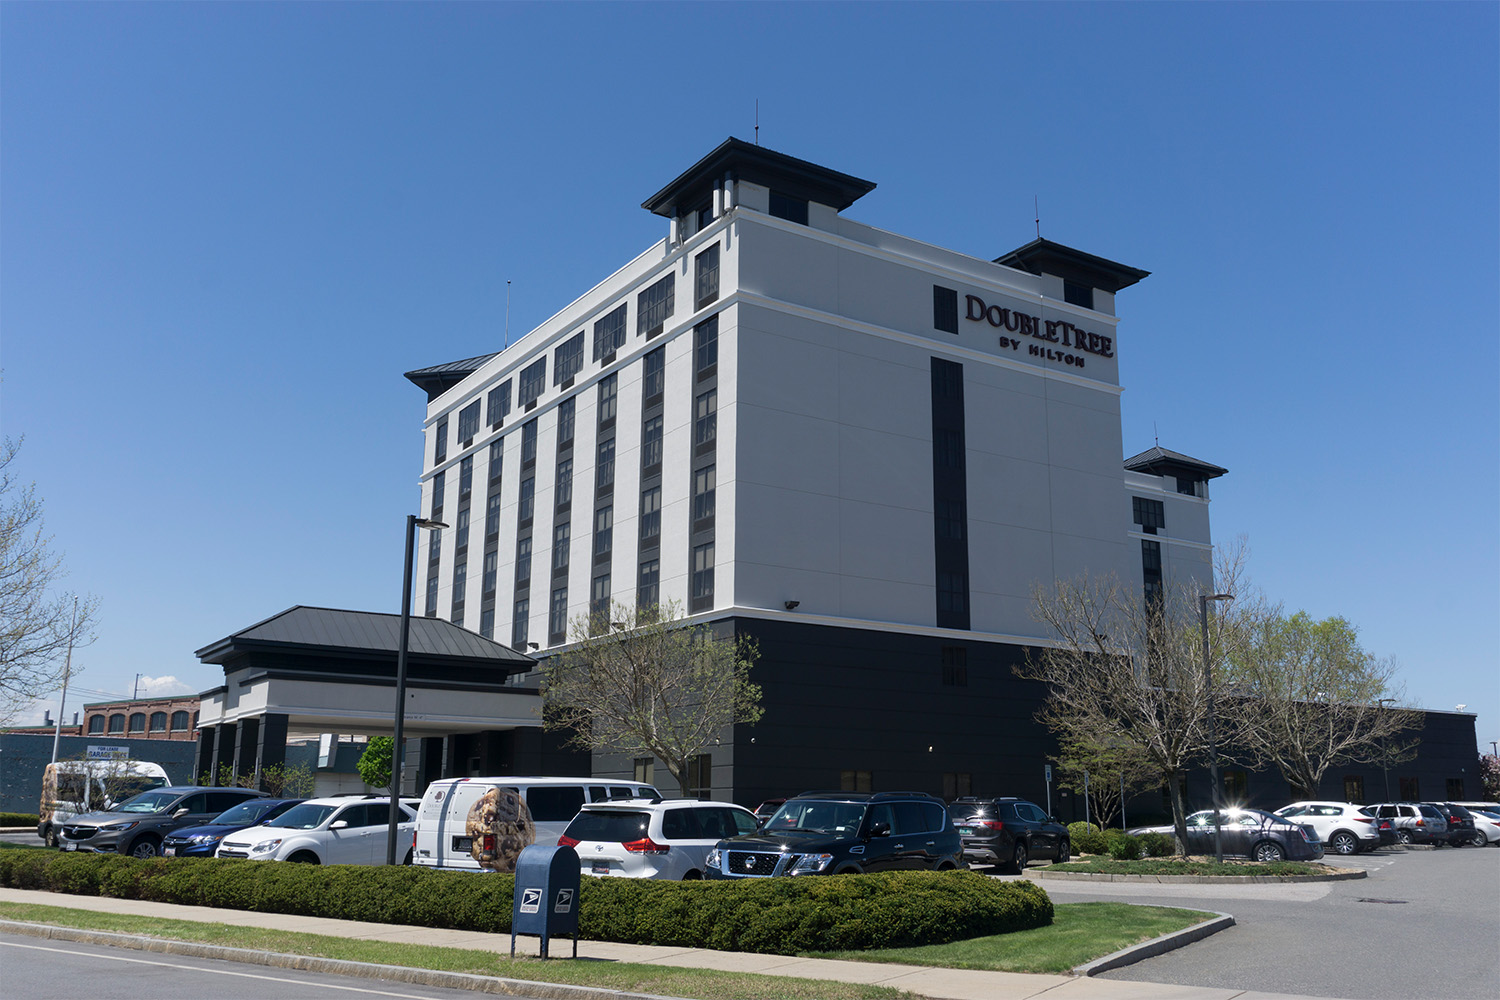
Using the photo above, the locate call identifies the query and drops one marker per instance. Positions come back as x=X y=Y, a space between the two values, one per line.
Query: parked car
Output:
x=1486 y=826
x=334 y=831
x=1344 y=828
x=834 y=833
x=644 y=839
x=202 y=841
x=1415 y=822
x=138 y=825
x=1383 y=826
x=768 y=808
x=1250 y=833
x=1460 y=823
x=1008 y=832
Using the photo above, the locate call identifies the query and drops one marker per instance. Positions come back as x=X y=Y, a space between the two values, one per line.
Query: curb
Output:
x=1344 y=876
x=1156 y=946
x=332 y=966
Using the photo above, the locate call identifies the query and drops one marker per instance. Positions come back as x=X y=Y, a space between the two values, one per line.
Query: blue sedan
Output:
x=202 y=841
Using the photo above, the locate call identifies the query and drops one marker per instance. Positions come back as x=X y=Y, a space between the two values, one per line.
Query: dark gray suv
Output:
x=1008 y=832
x=138 y=825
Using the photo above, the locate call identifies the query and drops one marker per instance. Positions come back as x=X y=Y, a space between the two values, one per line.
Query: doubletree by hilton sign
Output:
x=1051 y=331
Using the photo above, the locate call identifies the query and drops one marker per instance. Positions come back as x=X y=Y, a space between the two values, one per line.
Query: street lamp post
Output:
x=412 y=522
x=1213 y=746
x=1385 y=751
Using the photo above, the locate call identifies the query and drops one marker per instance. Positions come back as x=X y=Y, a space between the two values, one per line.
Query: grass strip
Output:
x=1080 y=932
x=1175 y=866
x=705 y=984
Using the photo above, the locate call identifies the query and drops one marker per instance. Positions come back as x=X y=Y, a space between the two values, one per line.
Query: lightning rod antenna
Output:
x=507 y=312
x=1036 y=204
x=757 y=121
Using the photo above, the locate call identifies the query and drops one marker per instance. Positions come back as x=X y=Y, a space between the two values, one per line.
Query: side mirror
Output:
x=338 y=824
x=180 y=813
x=880 y=830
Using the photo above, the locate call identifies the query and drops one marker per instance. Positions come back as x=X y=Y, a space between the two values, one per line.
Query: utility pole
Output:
x=67 y=672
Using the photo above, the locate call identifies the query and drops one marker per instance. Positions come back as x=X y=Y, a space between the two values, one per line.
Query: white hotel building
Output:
x=860 y=448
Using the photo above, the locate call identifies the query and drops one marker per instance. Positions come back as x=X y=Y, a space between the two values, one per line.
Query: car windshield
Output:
x=307 y=816
x=148 y=802
x=244 y=814
x=817 y=816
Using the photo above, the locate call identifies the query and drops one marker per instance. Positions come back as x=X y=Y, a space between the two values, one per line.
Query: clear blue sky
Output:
x=227 y=229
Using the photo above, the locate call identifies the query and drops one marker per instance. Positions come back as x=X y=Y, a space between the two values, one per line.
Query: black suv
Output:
x=822 y=833
x=1008 y=832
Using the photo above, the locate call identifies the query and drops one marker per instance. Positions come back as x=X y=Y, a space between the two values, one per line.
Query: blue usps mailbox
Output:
x=546 y=901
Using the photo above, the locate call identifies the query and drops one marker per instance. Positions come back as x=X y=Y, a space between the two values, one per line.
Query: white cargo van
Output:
x=482 y=824
x=74 y=787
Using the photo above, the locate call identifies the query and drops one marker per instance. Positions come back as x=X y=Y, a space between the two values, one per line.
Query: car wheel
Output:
x=1268 y=850
x=145 y=847
x=1403 y=836
x=1064 y=851
x=305 y=857
x=50 y=837
x=692 y=876
x=1018 y=860
x=1344 y=842
x=1477 y=839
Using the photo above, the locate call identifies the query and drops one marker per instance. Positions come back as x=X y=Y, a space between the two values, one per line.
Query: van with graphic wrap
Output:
x=74 y=787
x=483 y=824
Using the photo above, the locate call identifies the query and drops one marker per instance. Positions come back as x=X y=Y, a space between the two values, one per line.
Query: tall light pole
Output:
x=412 y=522
x=1385 y=751
x=1213 y=746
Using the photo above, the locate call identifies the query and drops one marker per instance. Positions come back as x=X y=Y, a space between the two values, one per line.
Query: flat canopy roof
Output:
x=746 y=161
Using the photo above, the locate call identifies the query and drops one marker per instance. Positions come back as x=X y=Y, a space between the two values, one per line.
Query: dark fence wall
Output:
x=24 y=756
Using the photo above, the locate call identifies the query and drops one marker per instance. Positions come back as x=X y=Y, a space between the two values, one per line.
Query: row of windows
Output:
x=138 y=722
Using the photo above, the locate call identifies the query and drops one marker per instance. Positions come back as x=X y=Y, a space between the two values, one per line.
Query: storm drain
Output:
x=1388 y=902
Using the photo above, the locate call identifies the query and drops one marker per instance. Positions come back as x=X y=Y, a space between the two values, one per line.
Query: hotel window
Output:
x=645 y=770
x=526 y=507
x=948 y=447
x=653 y=307
x=487 y=623
x=528 y=444
x=138 y=722
x=706 y=347
x=599 y=602
x=497 y=459
x=439 y=485
x=1455 y=788
x=520 y=619
x=461 y=539
x=1149 y=514
x=608 y=400
x=1187 y=487
x=784 y=206
x=567 y=360
x=460 y=580
x=1411 y=789
x=1078 y=294
x=564 y=484
x=703 y=494
x=430 y=608
x=440 y=451
x=96 y=725
x=468 y=423
x=706 y=418
x=654 y=378
x=951 y=519
x=650 y=516
x=158 y=722
x=703 y=577
x=492 y=516
x=565 y=419
x=117 y=723
x=700 y=771
x=497 y=404
x=465 y=476
x=609 y=333
x=856 y=781
x=434 y=544
x=557 y=620
x=1151 y=572
x=651 y=443
x=944 y=309
x=604 y=532
x=604 y=469
x=952 y=593
x=706 y=285
x=533 y=381
x=179 y=721
x=523 y=560
x=487 y=585
x=1354 y=788
x=648 y=590
x=956 y=666
x=562 y=536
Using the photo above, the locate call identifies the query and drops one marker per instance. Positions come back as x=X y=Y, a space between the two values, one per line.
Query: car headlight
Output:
x=266 y=846
x=812 y=863
x=712 y=861
x=117 y=827
x=204 y=838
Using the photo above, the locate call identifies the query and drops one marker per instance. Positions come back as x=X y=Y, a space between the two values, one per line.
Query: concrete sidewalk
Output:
x=939 y=984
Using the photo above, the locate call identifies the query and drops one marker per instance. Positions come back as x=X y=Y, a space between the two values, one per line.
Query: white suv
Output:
x=644 y=839
x=1343 y=826
x=336 y=831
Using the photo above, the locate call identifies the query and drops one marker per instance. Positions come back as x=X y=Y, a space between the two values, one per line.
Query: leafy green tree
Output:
x=1111 y=765
x=375 y=763
x=1489 y=776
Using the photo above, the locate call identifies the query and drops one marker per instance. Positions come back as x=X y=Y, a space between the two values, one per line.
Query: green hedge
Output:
x=18 y=819
x=777 y=916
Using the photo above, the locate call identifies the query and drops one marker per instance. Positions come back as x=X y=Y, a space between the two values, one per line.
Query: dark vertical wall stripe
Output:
x=950 y=495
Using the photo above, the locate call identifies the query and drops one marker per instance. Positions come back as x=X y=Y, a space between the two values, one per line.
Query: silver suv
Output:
x=138 y=825
x=1415 y=822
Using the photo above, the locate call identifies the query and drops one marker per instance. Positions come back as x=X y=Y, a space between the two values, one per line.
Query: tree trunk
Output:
x=1179 y=813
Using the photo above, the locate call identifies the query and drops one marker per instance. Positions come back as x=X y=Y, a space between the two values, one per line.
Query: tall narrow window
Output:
x=497 y=404
x=706 y=286
x=468 y=422
x=949 y=495
x=520 y=621
x=654 y=307
x=706 y=347
x=567 y=360
x=528 y=444
x=653 y=378
x=609 y=333
x=650 y=516
x=648 y=589
x=488 y=580
x=604 y=468
x=599 y=601
x=608 y=400
x=944 y=309
x=703 y=494
x=564 y=484
x=557 y=620
x=651 y=444
x=460 y=583
x=562 y=536
x=956 y=666
x=465 y=476
x=706 y=419
x=438 y=487
x=1151 y=578
x=604 y=532
x=533 y=381
x=487 y=623
x=461 y=541
x=526 y=506
x=565 y=419
x=492 y=516
x=430 y=608
x=497 y=459
x=523 y=559
x=703 y=577
x=440 y=437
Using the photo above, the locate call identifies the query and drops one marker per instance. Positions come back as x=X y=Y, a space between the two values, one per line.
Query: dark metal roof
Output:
x=1045 y=257
x=1158 y=461
x=440 y=378
x=329 y=630
x=746 y=161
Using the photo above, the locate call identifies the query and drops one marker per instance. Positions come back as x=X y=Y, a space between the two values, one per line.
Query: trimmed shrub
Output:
x=1087 y=839
x=1124 y=847
x=1158 y=845
x=773 y=915
x=19 y=819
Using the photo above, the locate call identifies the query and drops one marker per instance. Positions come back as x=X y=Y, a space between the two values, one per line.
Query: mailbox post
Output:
x=546 y=901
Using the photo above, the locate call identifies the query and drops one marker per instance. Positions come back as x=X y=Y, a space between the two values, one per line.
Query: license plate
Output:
x=601 y=867
x=966 y=831
x=169 y=852
x=69 y=847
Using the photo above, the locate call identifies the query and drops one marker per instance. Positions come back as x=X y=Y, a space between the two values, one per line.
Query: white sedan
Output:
x=1486 y=826
x=1343 y=826
x=336 y=831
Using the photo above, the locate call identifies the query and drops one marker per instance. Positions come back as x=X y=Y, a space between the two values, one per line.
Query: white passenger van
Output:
x=482 y=824
x=75 y=787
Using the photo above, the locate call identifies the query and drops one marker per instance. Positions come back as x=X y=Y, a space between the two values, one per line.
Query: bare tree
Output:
x=661 y=687
x=38 y=625
x=1128 y=667
x=1312 y=698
